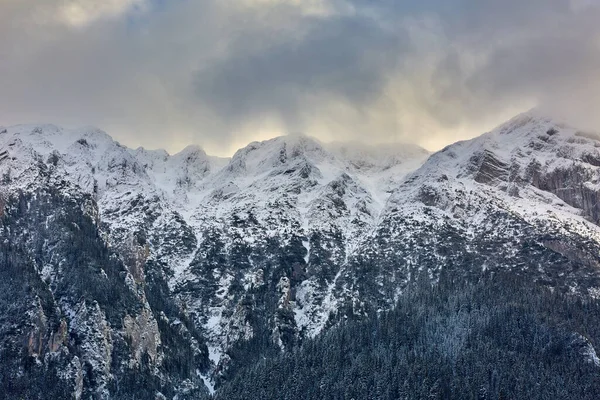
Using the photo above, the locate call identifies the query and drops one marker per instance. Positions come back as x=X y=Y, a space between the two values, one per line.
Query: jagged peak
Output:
x=296 y=140
x=528 y=153
x=48 y=138
x=538 y=121
x=191 y=150
x=151 y=159
x=533 y=132
x=260 y=157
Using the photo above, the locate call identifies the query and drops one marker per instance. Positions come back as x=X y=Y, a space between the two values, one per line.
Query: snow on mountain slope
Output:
x=247 y=244
x=522 y=198
x=78 y=192
x=288 y=196
x=381 y=167
x=541 y=165
x=180 y=173
x=137 y=217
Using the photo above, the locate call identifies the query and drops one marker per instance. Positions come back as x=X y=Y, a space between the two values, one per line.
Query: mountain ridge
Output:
x=291 y=235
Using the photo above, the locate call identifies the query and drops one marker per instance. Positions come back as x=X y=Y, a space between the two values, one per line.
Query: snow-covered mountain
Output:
x=523 y=198
x=280 y=241
x=279 y=217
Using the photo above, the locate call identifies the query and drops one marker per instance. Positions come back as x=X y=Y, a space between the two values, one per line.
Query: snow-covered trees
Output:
x=493 y=339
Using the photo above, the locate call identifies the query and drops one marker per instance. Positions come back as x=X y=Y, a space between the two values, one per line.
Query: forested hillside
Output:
x=493 y=339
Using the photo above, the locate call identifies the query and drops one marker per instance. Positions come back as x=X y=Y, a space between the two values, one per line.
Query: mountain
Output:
x=136 y=267
x=523 y=198
x=86 y=308
x=209 y=251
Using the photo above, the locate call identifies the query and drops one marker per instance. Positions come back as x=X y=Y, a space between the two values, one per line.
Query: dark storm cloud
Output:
x=341 y=58
x=224 y=73
x=488 y=56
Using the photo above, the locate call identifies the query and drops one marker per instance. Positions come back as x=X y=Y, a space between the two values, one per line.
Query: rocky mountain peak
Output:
x=190 y=152
x=261 y=157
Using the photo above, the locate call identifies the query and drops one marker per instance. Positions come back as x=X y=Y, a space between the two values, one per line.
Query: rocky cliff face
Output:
x=137 y=267
x=76 y=314
x=83 y=317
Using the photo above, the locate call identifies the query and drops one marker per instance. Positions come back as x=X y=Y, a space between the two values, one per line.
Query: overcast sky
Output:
x=221 y=73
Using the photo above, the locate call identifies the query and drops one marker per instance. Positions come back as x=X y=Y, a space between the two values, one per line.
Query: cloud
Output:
x=164 y=74
x=344 y=60
x=74 y=13
x=83 y=12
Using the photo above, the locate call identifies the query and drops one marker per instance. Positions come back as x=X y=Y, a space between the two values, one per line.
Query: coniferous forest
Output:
x=493 y=339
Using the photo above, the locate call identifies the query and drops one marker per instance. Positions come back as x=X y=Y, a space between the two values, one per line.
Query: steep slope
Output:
x=90 y=161
x=181 y=173
x=499 y=338
x=274 y=227
x=78 y=214
x=381 y=167
x=522 y=198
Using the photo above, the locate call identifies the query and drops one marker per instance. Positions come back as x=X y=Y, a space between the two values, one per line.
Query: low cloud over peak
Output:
x=167 y=73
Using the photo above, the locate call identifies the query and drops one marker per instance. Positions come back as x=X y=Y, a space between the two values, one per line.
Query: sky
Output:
x=222 y=73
